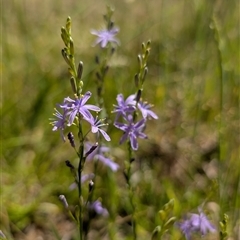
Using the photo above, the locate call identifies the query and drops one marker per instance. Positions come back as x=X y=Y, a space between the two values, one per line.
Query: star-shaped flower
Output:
x=98 y=208
x=144 y=107
x=99 y=154
x=95 y=127
x=124 y=106
x=201 y=224
x=59 y=122
x=79 y=106
x=132 y=131
x=106 y=36
x=196 y=223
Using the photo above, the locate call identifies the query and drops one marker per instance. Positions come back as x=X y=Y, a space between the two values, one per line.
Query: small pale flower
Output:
x=79 y=106
x=96 y=125
x=106 y=36
x=201 y=223
x=98 y=208
x=196 y=223
x=59 y=122
x=84 y=178
x=144 y=107
x=99 y=154
x=124 y=106
x=132 y=131
x=186 y=228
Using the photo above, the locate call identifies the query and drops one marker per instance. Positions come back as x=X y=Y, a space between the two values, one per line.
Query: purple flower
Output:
x=98 y=208
x=132 y=131
x=105 y=36
x=124 y=107
x=201 y=224
x=186 y=228
x=84 y=178
x=144 y=107
x=99 y=154
x=59 y=122
x=79 y=106
x=87 y=177
x=96 y=124
x=197 y=223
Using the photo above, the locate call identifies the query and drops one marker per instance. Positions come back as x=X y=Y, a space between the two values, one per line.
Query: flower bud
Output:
x=63 y=199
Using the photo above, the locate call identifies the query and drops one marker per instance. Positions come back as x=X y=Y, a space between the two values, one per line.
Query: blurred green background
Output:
x=192 y=154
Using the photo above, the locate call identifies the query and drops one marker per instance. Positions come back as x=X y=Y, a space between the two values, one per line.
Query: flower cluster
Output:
x=197 y=223
x=125 y=110
x=73 y=108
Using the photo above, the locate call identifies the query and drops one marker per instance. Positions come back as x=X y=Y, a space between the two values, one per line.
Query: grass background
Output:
x=192 y=154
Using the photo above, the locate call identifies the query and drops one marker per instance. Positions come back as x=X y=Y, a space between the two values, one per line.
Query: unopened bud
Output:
x=136 y=79
x=106 y=69
x=68 y=25
x=80 y=70
x=90 y=185
x=139 y=93
x=112 y=50
x=139 y=60
x=155 y=234
x=64 y=201
x=73 y=84
x=97 y=60
x=68 y=164
x=170 y=222
x=71 y=46
x=145 y=71
x=148 y=43
x=91 y=150
x=71 y=139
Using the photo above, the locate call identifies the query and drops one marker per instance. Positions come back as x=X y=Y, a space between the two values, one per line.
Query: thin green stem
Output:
x=220 y=125
x=80 y=168
x=130 y=190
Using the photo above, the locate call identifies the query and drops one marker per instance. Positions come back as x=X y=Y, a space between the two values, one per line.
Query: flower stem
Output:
x=130 y=190
x=80 y=168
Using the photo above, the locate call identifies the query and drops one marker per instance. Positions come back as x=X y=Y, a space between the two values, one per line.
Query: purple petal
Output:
x=108 y=162
x=92 y=107
x=85 y=98
x=105 y=135
x=133 y=141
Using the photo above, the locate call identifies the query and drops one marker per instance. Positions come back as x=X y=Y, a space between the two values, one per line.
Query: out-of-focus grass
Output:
x=193 y=82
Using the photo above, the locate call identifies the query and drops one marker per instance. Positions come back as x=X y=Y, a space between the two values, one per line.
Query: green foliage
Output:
x=192 y=81
x=224 y=227
x=167 y=220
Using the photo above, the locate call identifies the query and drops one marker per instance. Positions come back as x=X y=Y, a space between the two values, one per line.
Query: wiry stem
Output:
x=80 y=168
x=130 y=189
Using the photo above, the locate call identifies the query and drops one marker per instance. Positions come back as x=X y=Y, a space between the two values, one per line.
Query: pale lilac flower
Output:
x=132 y=131
x=59 y=122
x=99 y=154
x=106 y=36
x=186 y=228
x=98 y=208
x=124 y=106
x=197 y=223
x=144 y=107
x=201 y=224
x=95 y=127
x=84 y=178
x=87 y=177
x=79 y=106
